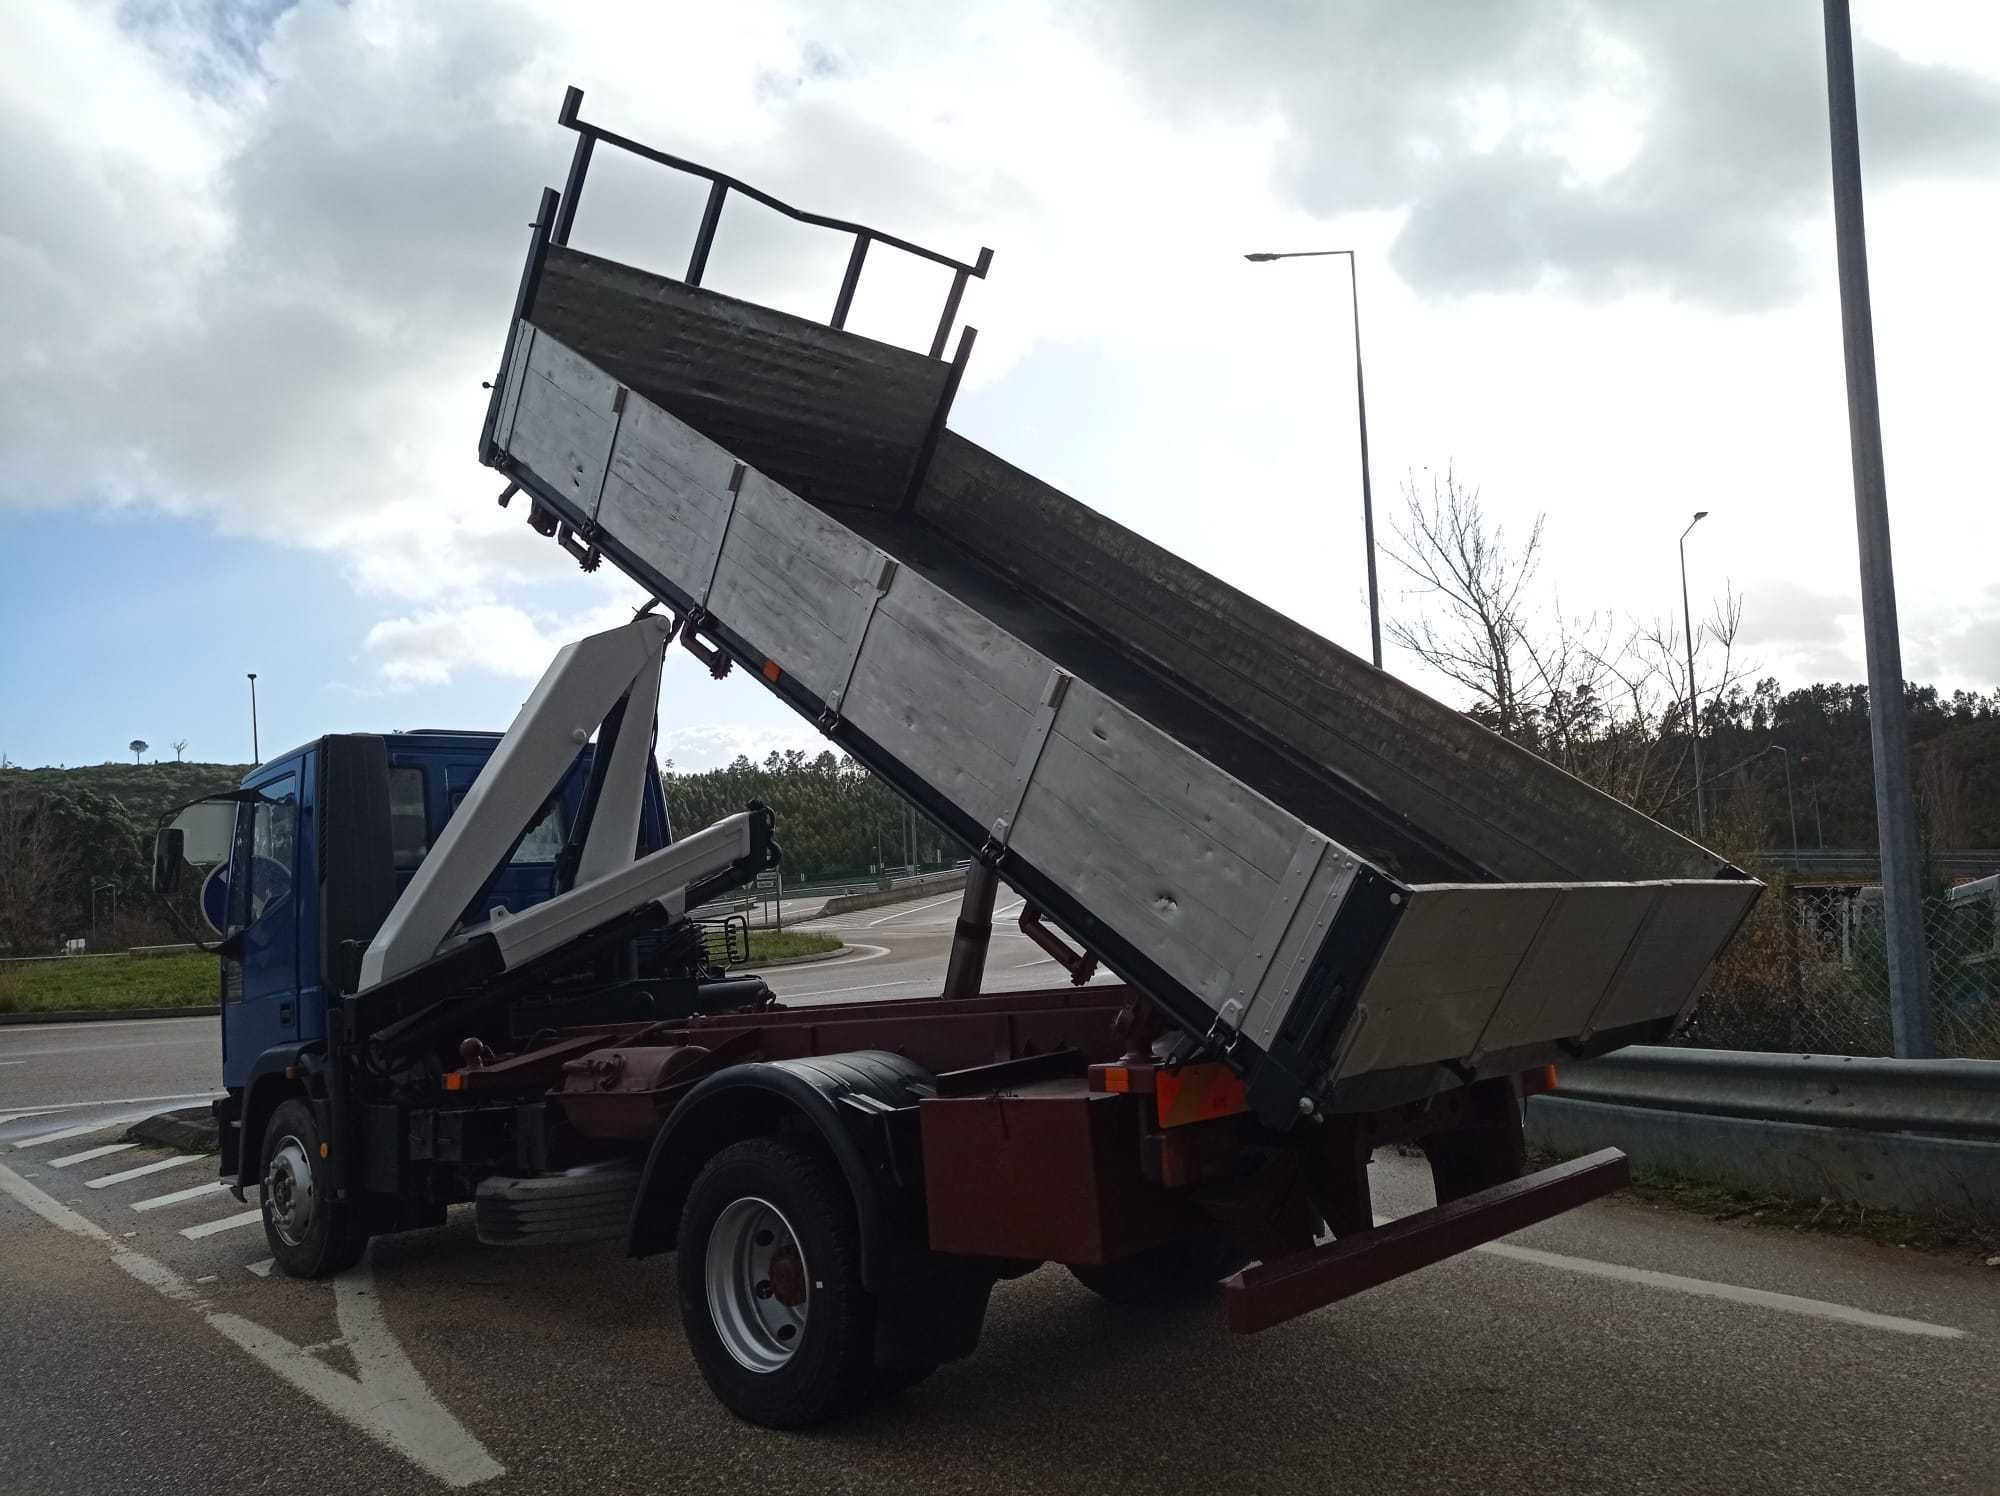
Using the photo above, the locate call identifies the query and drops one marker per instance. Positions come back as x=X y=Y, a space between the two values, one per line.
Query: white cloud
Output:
x=257 y=274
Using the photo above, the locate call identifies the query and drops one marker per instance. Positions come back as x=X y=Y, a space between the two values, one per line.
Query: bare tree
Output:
x=180 y=749
x=1608 y=702
x=1455 y=554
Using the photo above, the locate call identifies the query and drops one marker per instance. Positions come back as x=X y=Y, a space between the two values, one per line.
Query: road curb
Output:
x=102 y=1015
x=192 y=1129
x=903 y=893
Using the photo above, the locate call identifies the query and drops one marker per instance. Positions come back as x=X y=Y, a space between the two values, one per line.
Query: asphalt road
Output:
x=1618 y=1348
x=85 y=1072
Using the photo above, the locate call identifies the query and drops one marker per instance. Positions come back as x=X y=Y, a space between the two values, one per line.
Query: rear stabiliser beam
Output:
x=1270 y=1293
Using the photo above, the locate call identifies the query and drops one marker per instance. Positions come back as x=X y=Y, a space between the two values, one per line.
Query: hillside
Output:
x=147 y=791
x=75 y=851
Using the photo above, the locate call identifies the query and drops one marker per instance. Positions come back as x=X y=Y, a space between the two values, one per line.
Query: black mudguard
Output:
x=856 y=1104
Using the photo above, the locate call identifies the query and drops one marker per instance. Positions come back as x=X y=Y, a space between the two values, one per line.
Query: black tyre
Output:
x=769 y=1262
x=1171 y=1273
x=309 y=1234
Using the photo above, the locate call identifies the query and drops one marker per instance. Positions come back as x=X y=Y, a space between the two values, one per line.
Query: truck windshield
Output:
x=410 y=831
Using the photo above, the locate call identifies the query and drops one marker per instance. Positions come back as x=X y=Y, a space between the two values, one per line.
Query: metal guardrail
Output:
x=1955 y=1098
x=1918 y=1136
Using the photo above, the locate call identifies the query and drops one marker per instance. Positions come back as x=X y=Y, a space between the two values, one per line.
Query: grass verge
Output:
x=187 y=979
x=781 y=945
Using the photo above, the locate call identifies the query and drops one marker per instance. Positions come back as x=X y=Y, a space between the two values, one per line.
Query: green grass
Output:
x=189 y=979
x=186 y=980
x=779 y=945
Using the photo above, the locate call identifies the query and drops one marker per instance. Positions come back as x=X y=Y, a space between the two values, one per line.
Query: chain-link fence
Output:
x=1809 y=973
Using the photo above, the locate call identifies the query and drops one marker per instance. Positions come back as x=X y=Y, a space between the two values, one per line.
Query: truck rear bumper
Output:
x=1269 y=1293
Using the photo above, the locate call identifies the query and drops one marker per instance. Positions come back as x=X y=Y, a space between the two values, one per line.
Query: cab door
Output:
x=260 y=968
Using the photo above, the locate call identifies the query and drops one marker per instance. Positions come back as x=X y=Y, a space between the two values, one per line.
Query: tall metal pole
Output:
x=1367 y=495
x=1361 y=416
x=256 y=753
x=1888 y=724
x=1694 y=695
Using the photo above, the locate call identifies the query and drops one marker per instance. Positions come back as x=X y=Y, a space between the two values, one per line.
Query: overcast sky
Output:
x=255 y=262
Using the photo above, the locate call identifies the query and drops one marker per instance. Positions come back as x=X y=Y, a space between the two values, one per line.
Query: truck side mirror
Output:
x=199 y=834
x=169 y=852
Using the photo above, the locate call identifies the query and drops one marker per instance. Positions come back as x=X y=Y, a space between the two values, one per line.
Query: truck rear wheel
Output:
x=309 y=1233
x=1173 y=1272
x=769 y=1264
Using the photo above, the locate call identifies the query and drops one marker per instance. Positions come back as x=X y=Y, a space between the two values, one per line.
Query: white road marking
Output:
x=5 y=1063
x=915 y=909
x=67 y=1132
x=227 y=1223
x=38 y=1054
x=1761 y=1298
x=1038 y=961
x=160 y=1202
x=1003 y=913
x=99 y=1025
x=262 y=1269
x=389 y=1401
x=105 y=1151
x=864 y=987
x=144 y=1169
x=864 y=952
x=71 y=1106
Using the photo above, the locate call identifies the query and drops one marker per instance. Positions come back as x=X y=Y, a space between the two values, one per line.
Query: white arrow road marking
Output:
x=389 y=1401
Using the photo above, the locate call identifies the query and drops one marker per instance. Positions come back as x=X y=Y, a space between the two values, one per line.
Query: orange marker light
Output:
x=1541 y=1078
x=772 y=672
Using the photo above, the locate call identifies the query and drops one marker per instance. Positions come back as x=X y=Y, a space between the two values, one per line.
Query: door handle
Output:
x=285 y=1011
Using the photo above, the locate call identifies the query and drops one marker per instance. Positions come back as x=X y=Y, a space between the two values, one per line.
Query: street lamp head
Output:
x=1699 y=515
x=1261 y=257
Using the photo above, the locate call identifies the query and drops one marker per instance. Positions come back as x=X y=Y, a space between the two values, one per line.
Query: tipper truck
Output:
x=1338 y=914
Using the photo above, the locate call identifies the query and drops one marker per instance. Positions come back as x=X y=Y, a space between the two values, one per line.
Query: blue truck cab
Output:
x=275 y=988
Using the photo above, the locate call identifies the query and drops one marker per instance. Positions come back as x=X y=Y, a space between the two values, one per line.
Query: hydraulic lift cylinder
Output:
x=974 y=933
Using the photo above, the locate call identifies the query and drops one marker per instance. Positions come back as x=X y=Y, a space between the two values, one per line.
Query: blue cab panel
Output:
x=271 y=989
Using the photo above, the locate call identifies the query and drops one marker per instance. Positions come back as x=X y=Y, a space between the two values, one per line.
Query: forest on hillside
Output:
x=78 y=837
x=76 y=851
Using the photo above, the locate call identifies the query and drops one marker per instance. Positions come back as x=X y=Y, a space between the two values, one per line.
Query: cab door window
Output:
x=267 y=851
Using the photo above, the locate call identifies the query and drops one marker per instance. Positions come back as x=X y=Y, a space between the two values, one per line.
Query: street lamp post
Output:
x=1361 y=415
x=1694 y=698
x=1888 y=721
x=256 y=753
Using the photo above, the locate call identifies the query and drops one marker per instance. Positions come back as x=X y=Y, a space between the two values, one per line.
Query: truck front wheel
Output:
x=769 y=1263
x=309 y=1233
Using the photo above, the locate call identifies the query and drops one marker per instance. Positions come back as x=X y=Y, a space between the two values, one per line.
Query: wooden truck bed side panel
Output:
x=1171 y=852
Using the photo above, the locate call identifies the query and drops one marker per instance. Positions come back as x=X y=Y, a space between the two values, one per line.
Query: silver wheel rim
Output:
x=759 y=1288
x=289 y=1197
